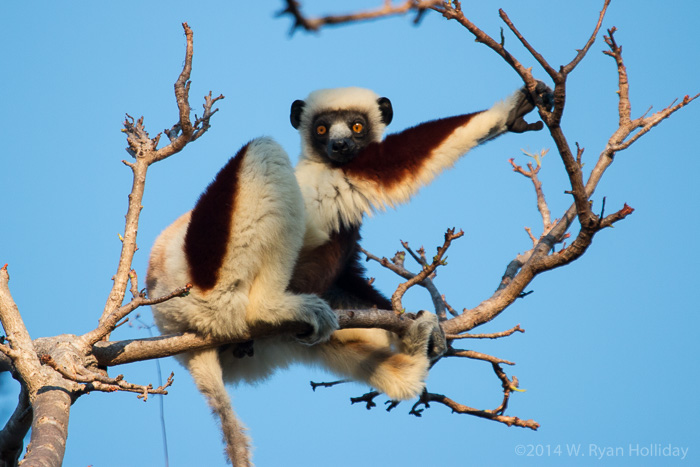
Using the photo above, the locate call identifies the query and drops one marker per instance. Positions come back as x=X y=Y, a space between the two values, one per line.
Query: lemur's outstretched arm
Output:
x=395 y=168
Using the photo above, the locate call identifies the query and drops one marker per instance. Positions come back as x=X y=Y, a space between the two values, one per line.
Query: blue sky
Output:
x=608 y=359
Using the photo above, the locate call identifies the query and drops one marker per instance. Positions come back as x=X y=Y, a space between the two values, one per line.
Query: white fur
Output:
x=330 y=198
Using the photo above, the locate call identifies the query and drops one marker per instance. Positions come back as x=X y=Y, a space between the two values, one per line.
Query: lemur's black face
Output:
x=339 y=136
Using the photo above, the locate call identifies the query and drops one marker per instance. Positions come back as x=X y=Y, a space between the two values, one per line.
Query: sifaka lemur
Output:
x=266 y=243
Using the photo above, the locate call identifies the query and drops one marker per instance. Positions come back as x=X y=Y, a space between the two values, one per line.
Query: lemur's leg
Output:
x=244 y=238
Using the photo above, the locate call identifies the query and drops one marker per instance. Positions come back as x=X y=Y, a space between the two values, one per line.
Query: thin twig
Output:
x=426 y=272
x=623 y=90
x=476 y=356
x=540 y=59
x=566 y=69
x=532 y=174
x=494 y=335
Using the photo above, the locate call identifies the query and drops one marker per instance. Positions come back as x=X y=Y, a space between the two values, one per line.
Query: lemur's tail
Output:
x=206 y=370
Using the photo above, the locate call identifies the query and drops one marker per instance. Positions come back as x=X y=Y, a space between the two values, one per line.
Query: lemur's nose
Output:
x=342 y=145
x=339 y=145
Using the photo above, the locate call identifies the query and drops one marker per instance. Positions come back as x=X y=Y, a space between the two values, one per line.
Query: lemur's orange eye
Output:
x=321 y=130
x=357 y=127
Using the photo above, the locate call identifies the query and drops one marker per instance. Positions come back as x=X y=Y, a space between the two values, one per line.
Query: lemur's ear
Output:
x=295 y=115
x=386 y=110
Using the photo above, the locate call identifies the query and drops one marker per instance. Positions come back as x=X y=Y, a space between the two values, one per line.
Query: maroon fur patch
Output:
x=210 y=226
x=400 y=156
x=333 y=271
x=317 y=270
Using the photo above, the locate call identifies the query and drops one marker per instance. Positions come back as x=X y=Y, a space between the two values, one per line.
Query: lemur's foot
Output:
x=425 y=336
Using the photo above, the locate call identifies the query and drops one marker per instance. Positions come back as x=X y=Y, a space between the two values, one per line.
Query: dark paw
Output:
x=524 y=104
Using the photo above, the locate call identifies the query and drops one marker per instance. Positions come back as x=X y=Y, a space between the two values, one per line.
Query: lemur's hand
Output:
x=320 y=316
x=524 y=105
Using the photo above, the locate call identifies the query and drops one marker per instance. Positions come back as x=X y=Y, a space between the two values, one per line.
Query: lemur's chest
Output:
x=335 y=208
x=331 y=198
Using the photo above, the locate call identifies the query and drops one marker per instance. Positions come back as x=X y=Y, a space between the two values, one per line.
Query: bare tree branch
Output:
x=525 y=267
x=70 y=367
x=101 y=382
x=396 y=265
x=368 y=399
x=487 y=414
x=145 y=152
x=542 y=206
x=129 y=351
x=327 y=385
x=21 y=349
x=540 y=59
x=568 y=68
x=476 y=356
x=293 y=9
x=46 y=394
x=112 y=320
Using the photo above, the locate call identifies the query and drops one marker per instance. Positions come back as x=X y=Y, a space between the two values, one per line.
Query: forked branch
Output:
x=145 y=151
x=94 y=381
x=396 y=265
x=427 y=270
x=496 y=414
